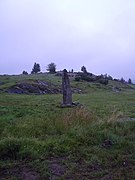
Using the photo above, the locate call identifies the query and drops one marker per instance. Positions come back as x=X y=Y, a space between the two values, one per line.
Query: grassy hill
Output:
x=40 y=140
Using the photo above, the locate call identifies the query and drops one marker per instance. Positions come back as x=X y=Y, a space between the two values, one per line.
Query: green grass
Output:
x=36 y=132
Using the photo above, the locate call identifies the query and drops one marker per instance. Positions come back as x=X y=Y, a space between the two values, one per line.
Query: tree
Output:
x=83 y=69
x=122 y=80
x=36 y=68
x=129 y=81
x=109 y=77
x=24 y=72
x=51 y=68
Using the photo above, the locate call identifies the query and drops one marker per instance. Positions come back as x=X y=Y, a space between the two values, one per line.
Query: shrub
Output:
x=103 y=81
x=77 y=78
x=24 y=72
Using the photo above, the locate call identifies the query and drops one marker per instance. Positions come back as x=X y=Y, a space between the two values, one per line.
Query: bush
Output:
x=77 y=78
x=103 y=81
x=24 y=72
x=89 y=77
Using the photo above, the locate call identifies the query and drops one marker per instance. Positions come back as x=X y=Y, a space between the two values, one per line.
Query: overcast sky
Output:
x=99 y=34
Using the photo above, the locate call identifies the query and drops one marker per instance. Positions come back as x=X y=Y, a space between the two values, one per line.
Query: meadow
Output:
x=41 y=140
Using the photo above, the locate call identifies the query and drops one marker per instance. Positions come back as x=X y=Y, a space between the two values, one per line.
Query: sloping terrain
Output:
x=29 y=86
x=40 y=140
x=51 y=84
x=34 y=87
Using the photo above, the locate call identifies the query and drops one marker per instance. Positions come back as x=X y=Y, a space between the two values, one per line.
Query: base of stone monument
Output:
x=74 y=104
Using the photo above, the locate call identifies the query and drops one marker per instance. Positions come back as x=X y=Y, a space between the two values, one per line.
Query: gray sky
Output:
x=99 y=34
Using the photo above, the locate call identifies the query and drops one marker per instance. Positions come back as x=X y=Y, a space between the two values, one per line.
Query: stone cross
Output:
x=66 y=88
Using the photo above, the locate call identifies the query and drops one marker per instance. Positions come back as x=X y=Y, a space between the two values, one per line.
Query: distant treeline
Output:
x=83 y=75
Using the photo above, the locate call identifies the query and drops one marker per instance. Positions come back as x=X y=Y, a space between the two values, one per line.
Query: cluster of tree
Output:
x=103 y=79
x=122 y=80
x=84 y=75
x=107 y=77
x=51 y=68
x=72 y=71
x=24 y=72
x=89 y=77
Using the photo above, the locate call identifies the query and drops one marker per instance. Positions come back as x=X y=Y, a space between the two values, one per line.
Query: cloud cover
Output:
x=71 y=33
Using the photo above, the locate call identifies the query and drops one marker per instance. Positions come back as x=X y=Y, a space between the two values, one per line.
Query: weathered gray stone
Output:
x=66 y=89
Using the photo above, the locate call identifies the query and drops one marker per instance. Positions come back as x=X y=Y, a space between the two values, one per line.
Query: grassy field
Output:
x=40 y=140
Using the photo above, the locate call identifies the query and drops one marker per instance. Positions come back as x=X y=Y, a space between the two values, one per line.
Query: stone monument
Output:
x=66 y=88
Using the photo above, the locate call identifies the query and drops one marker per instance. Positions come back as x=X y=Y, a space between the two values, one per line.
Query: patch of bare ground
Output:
x=69 y=169
x=57 y=167
x=65 y=168
x=120 y=173
x=21 y=172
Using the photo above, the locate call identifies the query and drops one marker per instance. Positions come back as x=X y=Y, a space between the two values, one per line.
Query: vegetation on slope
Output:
x=39 y=139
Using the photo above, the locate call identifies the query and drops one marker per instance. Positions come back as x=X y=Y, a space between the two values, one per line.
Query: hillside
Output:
x=51 y=84
x=40 y=140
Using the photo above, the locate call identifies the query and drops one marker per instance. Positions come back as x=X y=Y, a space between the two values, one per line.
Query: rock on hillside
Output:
x=37 y=87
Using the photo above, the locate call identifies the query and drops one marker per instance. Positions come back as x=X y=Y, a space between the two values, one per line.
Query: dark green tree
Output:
x=51 y=68
x=109 y=77
x=83 y=69
x=122 y=80
x=24 y=72
x=129 y=81
x=36 y=68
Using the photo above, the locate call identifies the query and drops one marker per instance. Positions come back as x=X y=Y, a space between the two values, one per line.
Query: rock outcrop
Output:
x=37 y=87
